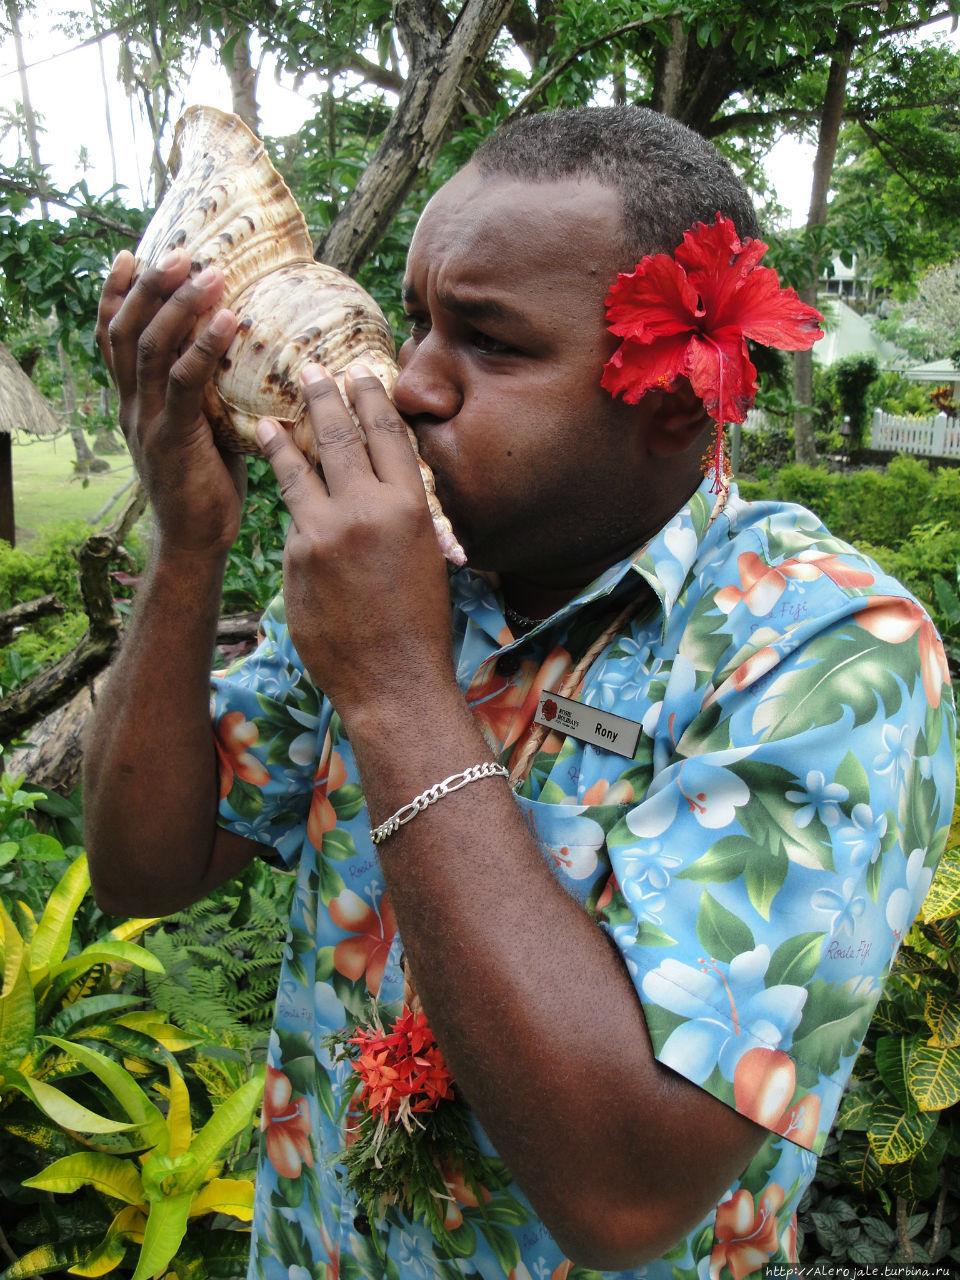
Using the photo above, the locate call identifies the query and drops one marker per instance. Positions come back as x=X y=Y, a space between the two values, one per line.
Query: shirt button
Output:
x=508 y=664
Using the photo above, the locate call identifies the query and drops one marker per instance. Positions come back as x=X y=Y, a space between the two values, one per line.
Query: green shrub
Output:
x=853 y=378
x=254 y=571
x=113 y=1124
x=811 y=487
x=47 y=567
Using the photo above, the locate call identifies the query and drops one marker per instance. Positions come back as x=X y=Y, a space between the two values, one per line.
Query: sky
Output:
x=66 y=90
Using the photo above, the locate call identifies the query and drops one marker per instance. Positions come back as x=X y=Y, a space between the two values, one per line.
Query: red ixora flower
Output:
x=688 y=314
x=402 y=1070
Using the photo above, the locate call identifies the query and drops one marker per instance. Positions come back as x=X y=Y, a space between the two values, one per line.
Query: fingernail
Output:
x=265 y=431
x=169 y=260
x=360 y=371
x=206 y=276
x=222 y=323
x=313 y=373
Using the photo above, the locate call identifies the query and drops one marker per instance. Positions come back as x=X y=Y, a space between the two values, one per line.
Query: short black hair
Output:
x=668 y=176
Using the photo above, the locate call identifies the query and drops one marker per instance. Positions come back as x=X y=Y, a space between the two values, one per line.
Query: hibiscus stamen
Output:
x=726 y=986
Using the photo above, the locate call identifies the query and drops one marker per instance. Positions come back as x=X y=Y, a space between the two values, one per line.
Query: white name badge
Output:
x=599 y=728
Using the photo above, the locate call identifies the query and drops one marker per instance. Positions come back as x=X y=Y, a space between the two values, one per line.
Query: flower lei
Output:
x=689 y=313
x=408 y=1139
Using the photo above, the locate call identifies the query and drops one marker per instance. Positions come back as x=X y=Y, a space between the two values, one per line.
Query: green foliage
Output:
x=852 y=377
x=51 y=268
x=834 y=1222
x=880 y=507
x=221 y=959
x=896 y=394
x=255 y=564
x=48 y=567
x=899 y=168
x=102 y=1102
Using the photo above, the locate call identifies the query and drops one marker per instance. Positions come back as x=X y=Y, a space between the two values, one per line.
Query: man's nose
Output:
x=428 y=385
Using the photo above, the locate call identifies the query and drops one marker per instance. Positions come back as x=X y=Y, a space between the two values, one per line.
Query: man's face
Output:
x=539 y=469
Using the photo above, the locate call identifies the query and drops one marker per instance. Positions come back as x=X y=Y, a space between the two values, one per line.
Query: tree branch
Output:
x=887 y=156
x=83 y=209
x=548 y=77
x=433 y=95
x=745 y=119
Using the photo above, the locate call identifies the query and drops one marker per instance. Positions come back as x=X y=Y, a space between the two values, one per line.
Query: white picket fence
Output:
x=936 y=437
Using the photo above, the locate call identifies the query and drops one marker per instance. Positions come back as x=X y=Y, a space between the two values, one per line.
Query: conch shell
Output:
x=228 y=207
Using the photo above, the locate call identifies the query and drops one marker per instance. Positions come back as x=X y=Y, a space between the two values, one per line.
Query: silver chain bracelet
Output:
x=440 y=789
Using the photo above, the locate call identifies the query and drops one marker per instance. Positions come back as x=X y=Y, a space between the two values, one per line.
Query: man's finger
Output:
x=388 y=438
x=162 y=342
x=120 y=336
x=336 y=443
x=191 y=373
x=300 y=486
x=115 y=289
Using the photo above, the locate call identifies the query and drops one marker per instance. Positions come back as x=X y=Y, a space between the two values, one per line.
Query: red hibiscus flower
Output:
x=331 y=774
x=745 y=1233
x=286 y=1124
x=367 y=950
x=896 y=621
x=689 y=314
x=234 y=735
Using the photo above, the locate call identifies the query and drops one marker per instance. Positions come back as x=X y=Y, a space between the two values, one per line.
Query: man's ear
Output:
x=678 y=423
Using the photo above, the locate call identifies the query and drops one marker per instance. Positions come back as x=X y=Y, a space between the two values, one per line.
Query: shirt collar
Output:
x=664 y=562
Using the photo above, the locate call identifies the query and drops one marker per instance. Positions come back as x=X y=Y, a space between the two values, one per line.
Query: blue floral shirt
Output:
x=757 y=859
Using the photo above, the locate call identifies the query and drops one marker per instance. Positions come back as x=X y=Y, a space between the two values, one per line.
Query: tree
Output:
x=833 y=104
x=928 y=324
x=406 y=90
x=898 y=171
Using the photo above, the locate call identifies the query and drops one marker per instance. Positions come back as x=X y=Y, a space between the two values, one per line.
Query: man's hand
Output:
x=143 y=335
x=364 y=580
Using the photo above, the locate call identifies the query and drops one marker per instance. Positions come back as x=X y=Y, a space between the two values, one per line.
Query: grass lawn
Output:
x=47 y=492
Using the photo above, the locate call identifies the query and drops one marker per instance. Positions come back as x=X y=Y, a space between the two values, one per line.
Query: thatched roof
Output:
x=22 y=407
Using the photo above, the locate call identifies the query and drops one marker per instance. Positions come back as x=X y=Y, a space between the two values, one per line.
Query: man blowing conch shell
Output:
x=650 y=788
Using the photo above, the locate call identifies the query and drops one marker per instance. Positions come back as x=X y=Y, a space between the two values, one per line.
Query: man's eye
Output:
x=493 y=346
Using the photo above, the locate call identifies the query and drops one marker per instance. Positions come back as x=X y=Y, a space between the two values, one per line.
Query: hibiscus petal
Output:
x=716 y=260
x=635 y=369
x=654 y=301
x=722 y=375
x=769 y=314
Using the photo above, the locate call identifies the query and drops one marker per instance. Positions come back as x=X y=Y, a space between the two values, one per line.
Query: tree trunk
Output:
x=235 y=60
x=108 y=118
x=441 y=67
x=29 y=119
x=86 y=462
x=805 y=450
x=668 y=75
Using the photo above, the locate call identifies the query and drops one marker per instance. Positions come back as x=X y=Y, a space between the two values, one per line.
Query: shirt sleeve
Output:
x=270 y=723
x=767 y=876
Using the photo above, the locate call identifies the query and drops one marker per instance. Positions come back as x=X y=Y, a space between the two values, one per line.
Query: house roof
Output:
x=22 y=407
x=939 y=371
x=848 y=333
